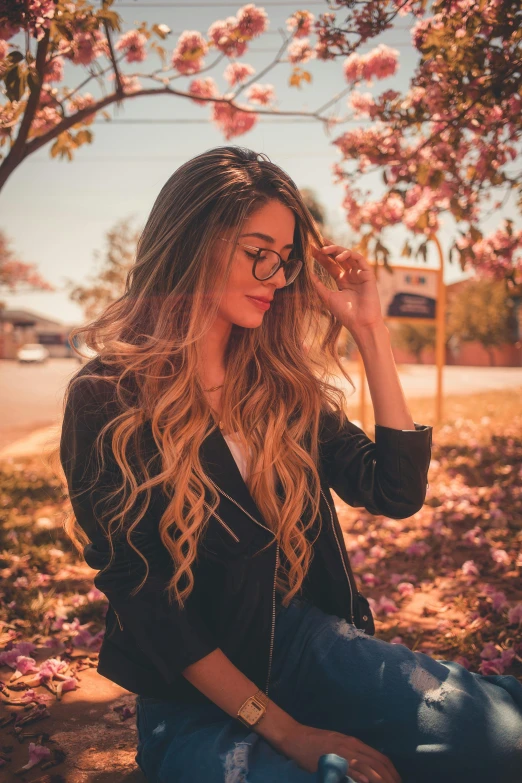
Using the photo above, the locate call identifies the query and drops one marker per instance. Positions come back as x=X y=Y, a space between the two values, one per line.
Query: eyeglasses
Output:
x=267 y=262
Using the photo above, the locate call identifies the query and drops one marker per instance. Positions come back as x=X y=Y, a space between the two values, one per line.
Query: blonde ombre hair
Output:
x=275 y=383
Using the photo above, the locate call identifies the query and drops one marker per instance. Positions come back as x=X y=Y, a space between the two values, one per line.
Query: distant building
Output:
x=18 y=327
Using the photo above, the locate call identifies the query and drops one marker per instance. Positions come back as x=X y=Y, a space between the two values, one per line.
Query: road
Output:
x=31 y=395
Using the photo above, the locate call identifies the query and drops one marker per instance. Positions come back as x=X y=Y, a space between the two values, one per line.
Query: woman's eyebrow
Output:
x=266 y=237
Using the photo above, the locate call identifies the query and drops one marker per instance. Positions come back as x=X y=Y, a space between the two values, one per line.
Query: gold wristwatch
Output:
x=253 y=709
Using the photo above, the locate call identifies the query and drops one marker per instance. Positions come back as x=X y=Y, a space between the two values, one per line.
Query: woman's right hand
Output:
x=305 y=745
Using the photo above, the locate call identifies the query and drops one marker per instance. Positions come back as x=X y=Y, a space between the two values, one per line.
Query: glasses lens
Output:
x=268 y=262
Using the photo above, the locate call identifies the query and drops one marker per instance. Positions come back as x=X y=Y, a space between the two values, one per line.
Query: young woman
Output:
x=200 y=447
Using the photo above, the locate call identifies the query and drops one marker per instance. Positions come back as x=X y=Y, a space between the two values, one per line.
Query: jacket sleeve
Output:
x=388 y=476
x=171 y=638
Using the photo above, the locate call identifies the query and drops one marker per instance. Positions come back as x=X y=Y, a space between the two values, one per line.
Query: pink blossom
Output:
x=80 y=102
x=300 y=23
x=358 y=557
x=224 y=35
x=489 y=651
x=133 y=44
x=236 y=73
x=406 y=588
x=36 y=754
x=130 y=84
x=396 y=640
x=377 y=551
x=474 y=536
x=379 y=63
x=300 y=51
x=369 y=579
x=9 y=656
x=363 y=104
x=469 y=568
x=515 y=614
x=70 y=684
x=387 y=605
x=231 y=121
x=190 y=50
x=7 y=30
x=261 y=93
x=24 y=665
x=95 y=595
x=205 y=88
x=493 y=666
x=499 y=601
x=252 y=21
x=53 y=69
x=85 y=47
x=418 y=548
x=52 y=667
x=508 y=656
x=500 y=556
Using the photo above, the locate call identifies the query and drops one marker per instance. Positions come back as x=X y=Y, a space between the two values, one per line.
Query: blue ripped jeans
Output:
x=436 y=721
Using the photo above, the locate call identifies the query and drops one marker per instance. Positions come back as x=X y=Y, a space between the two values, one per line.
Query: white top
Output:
x=237 y=452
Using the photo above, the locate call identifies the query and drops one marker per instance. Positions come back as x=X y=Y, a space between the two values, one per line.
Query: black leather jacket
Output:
x=148 y=642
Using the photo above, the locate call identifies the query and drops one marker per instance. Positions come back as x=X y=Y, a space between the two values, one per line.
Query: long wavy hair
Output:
x=276 y=381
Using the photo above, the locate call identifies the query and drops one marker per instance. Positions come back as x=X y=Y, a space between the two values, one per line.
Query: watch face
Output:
x=251 y=712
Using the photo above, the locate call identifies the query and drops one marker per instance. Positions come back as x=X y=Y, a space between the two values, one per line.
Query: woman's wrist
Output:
x=276 y=726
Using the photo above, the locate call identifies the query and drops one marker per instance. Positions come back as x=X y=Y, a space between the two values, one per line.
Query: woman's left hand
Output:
x=356 y=304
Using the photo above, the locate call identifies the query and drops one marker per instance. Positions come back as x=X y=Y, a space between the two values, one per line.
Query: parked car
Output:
x=33 y=352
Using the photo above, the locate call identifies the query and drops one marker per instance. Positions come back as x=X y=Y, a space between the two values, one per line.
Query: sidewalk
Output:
x=41 y=442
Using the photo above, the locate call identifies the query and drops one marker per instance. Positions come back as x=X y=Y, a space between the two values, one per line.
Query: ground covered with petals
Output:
x=446 y=582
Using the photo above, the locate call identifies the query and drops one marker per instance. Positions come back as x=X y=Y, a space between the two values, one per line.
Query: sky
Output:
x=57 y=213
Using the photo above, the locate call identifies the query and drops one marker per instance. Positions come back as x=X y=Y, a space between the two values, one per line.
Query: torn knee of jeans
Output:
x=425 y=683
x=235 y=763
x=349 y=631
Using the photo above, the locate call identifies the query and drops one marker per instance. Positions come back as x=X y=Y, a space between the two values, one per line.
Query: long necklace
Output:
x=214 y=389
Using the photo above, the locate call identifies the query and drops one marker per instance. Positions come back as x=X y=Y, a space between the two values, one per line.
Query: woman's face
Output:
x=271 y=227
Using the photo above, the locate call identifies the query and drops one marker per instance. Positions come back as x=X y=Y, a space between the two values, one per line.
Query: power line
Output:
x=202 y=121
x=277 y=4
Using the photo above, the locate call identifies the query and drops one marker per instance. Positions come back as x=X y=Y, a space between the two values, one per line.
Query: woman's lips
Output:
x=259 y=302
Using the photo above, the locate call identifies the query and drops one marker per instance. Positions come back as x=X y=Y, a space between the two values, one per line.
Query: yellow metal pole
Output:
x=362 y=393
x=440 y=321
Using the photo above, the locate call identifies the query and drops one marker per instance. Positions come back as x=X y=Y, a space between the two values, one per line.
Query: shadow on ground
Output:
x=98 y=746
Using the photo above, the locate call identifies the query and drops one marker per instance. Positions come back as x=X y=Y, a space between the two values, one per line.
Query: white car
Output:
x=33 y=352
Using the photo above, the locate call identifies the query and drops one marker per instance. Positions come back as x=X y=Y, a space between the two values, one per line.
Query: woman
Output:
x=200 y=447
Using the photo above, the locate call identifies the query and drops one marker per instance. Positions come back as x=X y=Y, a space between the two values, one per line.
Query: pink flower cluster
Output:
x=187 y=57
x=262 y=94
x=492 y=662
x=300 y=51
x=236 y=73
x=133 y=44
x=379 y=63
x=300 y=23
x=205 y=88
x=232 y=35
x=232 y=121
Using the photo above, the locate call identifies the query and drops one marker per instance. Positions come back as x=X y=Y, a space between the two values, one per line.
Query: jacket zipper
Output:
x=342 y=558
x=275 y=576
x=273 y=621
x=117 y=617
x=229 y=529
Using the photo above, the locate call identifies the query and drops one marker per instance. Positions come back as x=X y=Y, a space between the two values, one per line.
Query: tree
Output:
x=414 y=338
x=107 y=283
x=483 y=312
x=448 y=143
x=444 y=147
x=36 y=112
x=18 y=276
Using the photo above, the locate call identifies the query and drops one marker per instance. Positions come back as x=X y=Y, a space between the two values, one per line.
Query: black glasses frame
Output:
x=259 y=250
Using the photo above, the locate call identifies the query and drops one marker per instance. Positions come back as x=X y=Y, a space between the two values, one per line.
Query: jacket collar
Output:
x=220 y=465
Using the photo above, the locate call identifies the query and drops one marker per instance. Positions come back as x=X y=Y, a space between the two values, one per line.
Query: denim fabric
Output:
x=434 y=719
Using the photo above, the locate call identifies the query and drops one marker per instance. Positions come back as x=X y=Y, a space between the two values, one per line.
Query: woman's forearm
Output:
x=223 y=683
x=389 y=404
